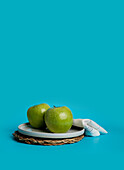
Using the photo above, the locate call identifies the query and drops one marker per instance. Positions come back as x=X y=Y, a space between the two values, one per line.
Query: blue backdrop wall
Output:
x=62 y=53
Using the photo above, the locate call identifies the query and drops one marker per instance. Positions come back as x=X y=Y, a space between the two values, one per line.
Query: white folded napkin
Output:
x=91 y=127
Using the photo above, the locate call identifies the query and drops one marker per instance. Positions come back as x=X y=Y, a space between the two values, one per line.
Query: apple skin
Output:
x=35 y=115
x=59 y=119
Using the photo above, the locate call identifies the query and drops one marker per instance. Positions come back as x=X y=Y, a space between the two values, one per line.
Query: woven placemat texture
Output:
x=42 y=141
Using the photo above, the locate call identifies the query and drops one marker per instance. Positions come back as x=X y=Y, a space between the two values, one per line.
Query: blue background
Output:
x=63 y=53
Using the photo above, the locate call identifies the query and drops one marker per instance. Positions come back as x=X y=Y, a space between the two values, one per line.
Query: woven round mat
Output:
x=42 y=141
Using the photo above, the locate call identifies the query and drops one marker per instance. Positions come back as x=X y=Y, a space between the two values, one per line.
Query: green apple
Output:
x=35 y=115
x=59 y=119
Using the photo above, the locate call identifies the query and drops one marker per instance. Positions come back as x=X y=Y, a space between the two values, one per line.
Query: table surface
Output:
x=62 y=53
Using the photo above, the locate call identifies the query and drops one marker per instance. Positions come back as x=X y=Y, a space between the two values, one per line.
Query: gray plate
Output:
x=27 y=129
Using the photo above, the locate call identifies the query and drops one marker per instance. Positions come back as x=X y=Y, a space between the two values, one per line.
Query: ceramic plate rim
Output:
x=49 y=135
